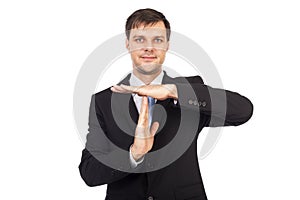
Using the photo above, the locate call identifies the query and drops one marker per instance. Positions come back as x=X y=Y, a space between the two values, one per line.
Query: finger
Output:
x=145 y=90
x=113 y=89
x=154 y=128
x=143 y=118
x=132 y=89
x=119 y=89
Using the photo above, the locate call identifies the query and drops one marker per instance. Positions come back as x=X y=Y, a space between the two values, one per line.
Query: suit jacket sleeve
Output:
x=98 y=149
x=219 y=107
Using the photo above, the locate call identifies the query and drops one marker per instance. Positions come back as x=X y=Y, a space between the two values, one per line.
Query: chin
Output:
x=148 y=70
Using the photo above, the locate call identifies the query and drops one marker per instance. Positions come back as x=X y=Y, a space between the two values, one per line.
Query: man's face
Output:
x=147 y=46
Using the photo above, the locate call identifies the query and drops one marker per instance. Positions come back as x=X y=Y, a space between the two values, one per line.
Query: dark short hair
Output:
x=146 y=17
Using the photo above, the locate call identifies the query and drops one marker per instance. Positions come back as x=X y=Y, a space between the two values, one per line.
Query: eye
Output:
x=139 y=40
x=158 y=40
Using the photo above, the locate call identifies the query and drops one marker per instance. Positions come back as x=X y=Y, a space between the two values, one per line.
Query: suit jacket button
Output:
x=196 y=103
x=199 y=103
x=150 y=198
x=191 y=101
x=113 y=172
x=203 y=103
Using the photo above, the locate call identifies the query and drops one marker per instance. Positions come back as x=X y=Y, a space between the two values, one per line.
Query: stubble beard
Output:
x=141 y=69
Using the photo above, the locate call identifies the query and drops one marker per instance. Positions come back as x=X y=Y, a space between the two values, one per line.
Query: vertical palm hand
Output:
x=144 y=135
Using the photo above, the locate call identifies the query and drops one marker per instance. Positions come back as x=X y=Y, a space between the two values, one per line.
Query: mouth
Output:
x=148 y=57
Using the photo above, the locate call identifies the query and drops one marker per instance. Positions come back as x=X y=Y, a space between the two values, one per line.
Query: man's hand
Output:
x=144 y=137
x=160 y=92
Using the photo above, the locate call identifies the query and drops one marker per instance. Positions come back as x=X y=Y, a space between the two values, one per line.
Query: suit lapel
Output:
x=131 y=107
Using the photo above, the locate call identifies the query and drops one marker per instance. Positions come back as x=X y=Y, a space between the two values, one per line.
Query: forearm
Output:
x=222 y=106
x=94 y=173
x=97 y=165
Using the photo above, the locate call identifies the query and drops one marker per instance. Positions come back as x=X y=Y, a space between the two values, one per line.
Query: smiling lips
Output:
x=148 y=57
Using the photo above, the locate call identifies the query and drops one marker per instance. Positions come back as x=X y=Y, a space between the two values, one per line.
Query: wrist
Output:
x=173 y=91
x=135 y=154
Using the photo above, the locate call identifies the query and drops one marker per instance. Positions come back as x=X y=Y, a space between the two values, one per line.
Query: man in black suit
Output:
x=142 y=139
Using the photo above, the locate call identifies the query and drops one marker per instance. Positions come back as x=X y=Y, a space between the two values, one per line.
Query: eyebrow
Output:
x=136 y=36
x=157 y=36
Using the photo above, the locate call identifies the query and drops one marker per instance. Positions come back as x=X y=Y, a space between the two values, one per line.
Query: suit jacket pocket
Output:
x=190 y=192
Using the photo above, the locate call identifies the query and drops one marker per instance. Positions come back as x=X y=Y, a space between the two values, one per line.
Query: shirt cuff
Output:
x=133 y=162
x=175 y=101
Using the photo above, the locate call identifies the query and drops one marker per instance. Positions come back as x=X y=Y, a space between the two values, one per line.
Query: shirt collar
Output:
x=135 y=81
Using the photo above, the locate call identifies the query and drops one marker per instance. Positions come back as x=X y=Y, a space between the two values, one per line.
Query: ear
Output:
x=127 y=44
x=167 y=46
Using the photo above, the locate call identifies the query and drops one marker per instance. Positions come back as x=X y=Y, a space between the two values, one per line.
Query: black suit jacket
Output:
x=112 y=123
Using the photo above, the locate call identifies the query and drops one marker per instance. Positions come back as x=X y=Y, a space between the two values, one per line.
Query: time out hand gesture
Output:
x=144 y=136
x=160 y=92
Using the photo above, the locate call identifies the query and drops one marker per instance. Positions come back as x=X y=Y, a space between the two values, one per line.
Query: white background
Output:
x=254 y=44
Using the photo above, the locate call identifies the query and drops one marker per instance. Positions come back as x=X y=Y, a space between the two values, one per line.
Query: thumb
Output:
x=154 y=128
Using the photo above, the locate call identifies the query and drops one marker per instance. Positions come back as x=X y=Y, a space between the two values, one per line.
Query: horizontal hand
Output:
x=160 y=92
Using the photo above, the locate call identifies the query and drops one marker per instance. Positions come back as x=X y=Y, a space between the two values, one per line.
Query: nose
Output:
x=148 y=46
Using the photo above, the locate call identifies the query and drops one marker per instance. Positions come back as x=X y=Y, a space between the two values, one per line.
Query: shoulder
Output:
x=102 y=96
x=103 y=93
x=190 y=79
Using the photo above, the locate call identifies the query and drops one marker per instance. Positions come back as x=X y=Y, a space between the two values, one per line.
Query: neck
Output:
x=146 y=78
